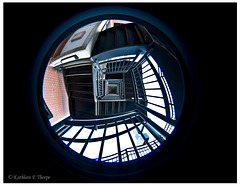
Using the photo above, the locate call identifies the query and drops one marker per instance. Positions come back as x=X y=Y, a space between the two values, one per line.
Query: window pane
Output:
x=137 y=138
x=98 y=133
x=76 y=146
x=111 y=130
x=150 y=72
x=130 y=125
x=157 y=120
x=110 y=147
x=151 y=137
x=152 y=85
x=146 y=68
x=144 y=64
x=154 y=92
x=139 y=57
x=92 y=150
x=157 y=109
x=72 y=132
x=149 y=79
x=121 y=128
x=84 y=133
x=66 y=142
x=125 y=141
x=157 y=101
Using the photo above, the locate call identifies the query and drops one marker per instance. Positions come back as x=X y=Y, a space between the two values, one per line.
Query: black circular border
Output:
x=102 y=171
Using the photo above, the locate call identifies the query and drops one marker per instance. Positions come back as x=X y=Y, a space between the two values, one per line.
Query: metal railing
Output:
x=129 y=154
x=154 y=112
x=134 y=124
x=153 y=95
x=122 y=64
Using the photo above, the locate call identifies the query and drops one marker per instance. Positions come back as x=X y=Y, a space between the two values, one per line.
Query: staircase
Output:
x=129 y=91
x=79 y=86
x=122 y=40
x=142 y=111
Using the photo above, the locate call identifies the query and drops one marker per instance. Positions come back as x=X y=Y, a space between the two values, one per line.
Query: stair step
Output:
x=120 y=38
x=140 y=38
x=79 y=70
x=82 y=107
x=79 y=93
x=100 y=42
x=80 y=87
x=132 y=36
x=78 y=75
x=109 y=42
x=79 y=79
x=110 y=108
x=82 y=99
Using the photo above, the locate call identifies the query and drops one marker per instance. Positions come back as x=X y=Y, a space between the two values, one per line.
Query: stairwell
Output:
x=79 y=86
x=117 y=106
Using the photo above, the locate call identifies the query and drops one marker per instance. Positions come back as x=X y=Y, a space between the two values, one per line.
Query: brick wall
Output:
x=54 y=94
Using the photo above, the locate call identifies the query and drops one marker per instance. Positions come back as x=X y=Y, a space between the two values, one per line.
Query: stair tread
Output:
x=120 y=33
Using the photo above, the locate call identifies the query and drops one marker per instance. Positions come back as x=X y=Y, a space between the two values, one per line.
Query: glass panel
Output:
x=150 y=72
x=121 y=128
x=84 y=133
x=130 y=125
x=110 y=147
x=154 y=92
x=111 y=130
x=156 y=120
x=146 y=68
x=137 y=138
x=66 y=142
x=76 y=146
x=125 y=141
x=98 y=133
x=92 y=150
x=157 y=109
x=139 y=57
x=152 y=85
x=149 y=79
x=72 y=132
x=157 y=101
x=144 y=64
x=170 y=129
x=151 y=137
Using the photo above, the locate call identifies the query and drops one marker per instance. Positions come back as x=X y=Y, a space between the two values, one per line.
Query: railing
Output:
x=153 y=95
x=121 y=64
x=154 y=114
x=129 y=154
x=101 y=87
x=98 y=81
x=132 y=126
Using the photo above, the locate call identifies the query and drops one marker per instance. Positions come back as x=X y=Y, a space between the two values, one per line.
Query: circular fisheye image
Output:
x=114 y=96
x=107 y=92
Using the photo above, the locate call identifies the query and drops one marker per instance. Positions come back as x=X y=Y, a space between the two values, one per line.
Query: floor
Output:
x=54 y=94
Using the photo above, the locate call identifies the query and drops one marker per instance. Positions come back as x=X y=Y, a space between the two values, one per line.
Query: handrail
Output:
x=80 y=122
x=99 y=138
x=128 y=152
x=164 y=118
x=162 y=88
